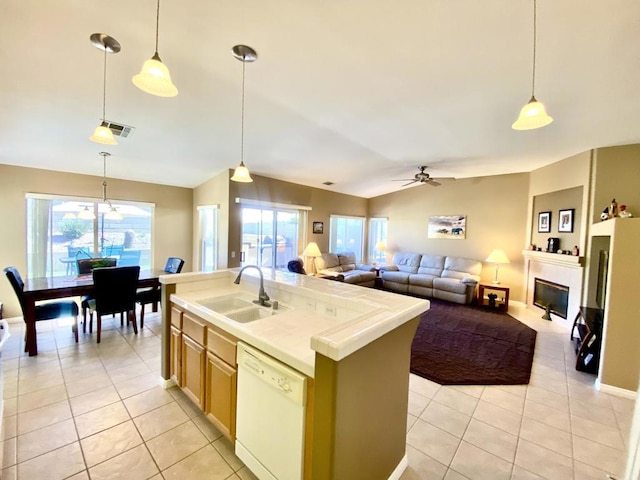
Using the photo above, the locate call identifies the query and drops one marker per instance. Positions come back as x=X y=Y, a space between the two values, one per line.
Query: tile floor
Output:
x=96 y=411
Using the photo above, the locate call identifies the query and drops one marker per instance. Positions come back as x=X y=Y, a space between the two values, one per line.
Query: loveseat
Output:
x=444 y=277
x=345 y=264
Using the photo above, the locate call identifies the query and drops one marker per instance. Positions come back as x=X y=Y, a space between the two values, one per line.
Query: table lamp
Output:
x=498 y=257
x=312 y=251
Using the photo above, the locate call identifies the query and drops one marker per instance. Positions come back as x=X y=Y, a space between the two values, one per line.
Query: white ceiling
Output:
x=357 y=92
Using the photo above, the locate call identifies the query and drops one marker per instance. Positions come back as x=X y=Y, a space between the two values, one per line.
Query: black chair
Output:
x=85 y=266
x=296 y=266
x=44 y=311
x=152 y=295
x=114 y=289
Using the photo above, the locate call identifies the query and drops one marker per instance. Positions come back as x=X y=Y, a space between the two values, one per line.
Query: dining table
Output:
x=48 y=288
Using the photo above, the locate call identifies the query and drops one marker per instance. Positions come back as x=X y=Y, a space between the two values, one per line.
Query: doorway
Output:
x=269 y=237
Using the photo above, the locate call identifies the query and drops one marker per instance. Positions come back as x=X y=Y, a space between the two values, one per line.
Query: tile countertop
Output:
x=332 y=318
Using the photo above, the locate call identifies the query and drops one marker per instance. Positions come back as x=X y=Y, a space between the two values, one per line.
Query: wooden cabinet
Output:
x=203 y=364
x=221 y=387
x=193 y=370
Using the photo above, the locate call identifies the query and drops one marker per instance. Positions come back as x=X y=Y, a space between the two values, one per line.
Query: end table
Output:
x=501 y=302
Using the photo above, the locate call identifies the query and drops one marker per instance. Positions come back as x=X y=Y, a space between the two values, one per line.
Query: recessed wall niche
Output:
x=554 y=202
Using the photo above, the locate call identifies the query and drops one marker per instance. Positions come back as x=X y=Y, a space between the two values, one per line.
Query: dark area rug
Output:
x=465 y=345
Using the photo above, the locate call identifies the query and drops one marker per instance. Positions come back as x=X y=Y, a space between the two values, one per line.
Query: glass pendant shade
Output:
x=69 y=216
x=113 y=214
x=154 y=79
x=533 y=115
x=241 y=174
x=86 y=214
x=103 y=134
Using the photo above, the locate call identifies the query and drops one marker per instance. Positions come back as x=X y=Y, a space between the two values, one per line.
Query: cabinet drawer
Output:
x=194 y=327
x=222 y=345
x=176 y=317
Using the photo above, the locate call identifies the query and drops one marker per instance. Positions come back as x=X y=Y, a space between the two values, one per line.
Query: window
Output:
x=208 y=231
x=57 y=236
x=346 y=234
x=377 y=251
x=269 y=237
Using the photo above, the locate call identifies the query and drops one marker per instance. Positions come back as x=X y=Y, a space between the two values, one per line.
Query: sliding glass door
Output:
x=208 y=232
x=269 y=237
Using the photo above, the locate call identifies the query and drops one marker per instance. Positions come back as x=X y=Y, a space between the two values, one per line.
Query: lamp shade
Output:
x=103 y=134
x=86 y=214
x=154 y=79
x=497 y=256
x=533 y=115
x=381 y=246
x=241 y=174
x=113 y=214
x=312 y=250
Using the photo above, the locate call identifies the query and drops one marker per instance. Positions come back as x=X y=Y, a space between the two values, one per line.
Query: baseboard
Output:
x=399 y=470
x=617 y=391
x=167 y=383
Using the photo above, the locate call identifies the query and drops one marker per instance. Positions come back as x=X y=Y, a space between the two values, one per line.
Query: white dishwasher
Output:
x=270 y=413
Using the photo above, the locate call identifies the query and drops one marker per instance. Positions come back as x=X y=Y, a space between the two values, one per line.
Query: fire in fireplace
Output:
x=546 y=293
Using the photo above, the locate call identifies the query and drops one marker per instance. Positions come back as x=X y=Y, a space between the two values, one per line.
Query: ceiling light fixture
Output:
x=244 y=54
x=533 y=115
x=113 y=213
x=86 y=214
x=154 y=78
x=102 y=41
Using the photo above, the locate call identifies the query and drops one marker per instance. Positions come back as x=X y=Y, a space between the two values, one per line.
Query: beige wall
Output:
x=554 y=202
x=617 y=176
x=172 y=225
x=214 y=191
x=495 y=207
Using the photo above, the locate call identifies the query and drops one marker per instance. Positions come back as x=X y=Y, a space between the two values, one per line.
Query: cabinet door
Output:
x=193 y=370
x=175 y=353
x=221 y=396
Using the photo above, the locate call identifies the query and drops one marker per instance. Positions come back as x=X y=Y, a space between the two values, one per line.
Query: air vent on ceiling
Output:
x=327 y=183
x=120 y=130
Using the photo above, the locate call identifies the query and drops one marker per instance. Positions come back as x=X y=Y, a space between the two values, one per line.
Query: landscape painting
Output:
x=448 y=226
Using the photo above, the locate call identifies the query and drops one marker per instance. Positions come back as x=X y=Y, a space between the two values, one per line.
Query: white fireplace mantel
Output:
x=554 y=258
x=564 y=270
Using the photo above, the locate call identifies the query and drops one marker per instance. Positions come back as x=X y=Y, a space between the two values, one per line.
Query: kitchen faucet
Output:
x=262 y=295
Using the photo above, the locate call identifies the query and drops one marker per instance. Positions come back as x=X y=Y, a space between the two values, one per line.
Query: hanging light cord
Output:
x=533 y=81
x=242 y=116
x=104 y=178
x=157 y=24
x=104 y=84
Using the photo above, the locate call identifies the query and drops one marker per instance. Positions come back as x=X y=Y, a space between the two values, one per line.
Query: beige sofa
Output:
x=444 y=277
x=345 y=264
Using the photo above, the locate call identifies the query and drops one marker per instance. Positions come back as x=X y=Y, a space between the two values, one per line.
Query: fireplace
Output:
x=554 y=295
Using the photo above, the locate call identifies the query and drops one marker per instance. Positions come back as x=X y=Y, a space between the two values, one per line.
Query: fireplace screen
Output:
x=552 y=294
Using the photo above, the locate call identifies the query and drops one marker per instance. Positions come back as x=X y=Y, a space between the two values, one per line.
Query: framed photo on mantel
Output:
x=544 y=222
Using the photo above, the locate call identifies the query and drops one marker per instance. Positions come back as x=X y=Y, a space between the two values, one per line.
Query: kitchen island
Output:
x=352 y=343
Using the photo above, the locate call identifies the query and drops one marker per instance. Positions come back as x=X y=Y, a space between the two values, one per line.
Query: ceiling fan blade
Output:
x=433 y=183
x=413 y=181
x=403 y=180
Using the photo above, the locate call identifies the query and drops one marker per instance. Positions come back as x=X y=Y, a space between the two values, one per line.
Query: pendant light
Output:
x=113 y=213
x=102 y=41
x=86 y=214
x=154 y=78
x=244 y=54
x=533 y=115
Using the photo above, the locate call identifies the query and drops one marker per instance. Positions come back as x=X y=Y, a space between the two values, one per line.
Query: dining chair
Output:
x=44 y=311
x=84 y=267
x=114 y=290
x=145 y=296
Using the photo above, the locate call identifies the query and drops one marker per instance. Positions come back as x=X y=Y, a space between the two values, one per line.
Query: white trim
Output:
x=617 y=391
x=208 y=207
x=399 y=470
x=261 y=203
x=167 y=383
x=337 y=215
x=69 y=198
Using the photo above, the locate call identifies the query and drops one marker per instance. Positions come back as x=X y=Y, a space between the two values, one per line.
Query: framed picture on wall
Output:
x=318 y=227
x=544 y=222
x=565 y=220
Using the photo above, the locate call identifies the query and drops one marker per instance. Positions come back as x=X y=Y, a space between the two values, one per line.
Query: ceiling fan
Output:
x=422 y=177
